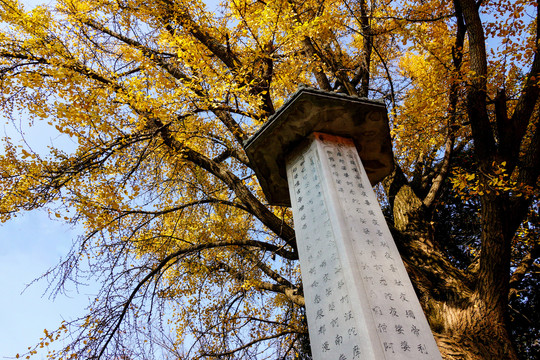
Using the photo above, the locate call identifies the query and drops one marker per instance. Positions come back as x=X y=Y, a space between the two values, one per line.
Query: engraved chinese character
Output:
x=393 y=312
x=331 y=306
x=348 y=315
x=366 y=231
x=403 y=297
x=367 y=203
x=326 y=277
x=339 y=339
x=370 y=212
x=377 y=310
x=388 y=346
x=373 y=254
x=409 y=314
x=334 y=322
x=379 y=232
x=405 y=346
x=378 y=267
x=388 y=256
x=415 y=330
x=398 y=283
x=422 y=348
x=322 y=329
x=384 y=244
x=393 y=268
x=342 y=357
x=340 y=284
x=317 y=299
x=344 y=299
x=356 y=352
x=369 y=241
x=388 y=296
x=329 y=291
x=315 y=284
x=323 y=264
x=399 y=329
x=352 y=332
x=320 y=314
x=369 y=279
x=383 y=282
x=325 y=346
x=382 y=327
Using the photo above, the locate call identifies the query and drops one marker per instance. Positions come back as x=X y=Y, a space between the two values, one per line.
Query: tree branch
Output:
x=255 y=207
x=251 y=343
x=523 y=268
x=156 y=270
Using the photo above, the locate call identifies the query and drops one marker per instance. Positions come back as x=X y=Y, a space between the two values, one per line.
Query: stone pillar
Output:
x=360 y=303
x=320 y=153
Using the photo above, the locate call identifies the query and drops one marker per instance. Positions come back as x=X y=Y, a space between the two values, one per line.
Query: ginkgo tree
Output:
x=159 y=98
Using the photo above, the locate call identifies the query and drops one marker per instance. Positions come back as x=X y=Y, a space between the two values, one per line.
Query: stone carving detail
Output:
x=352 y=313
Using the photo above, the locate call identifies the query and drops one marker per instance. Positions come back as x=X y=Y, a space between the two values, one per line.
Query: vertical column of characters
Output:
x=398 y=317
x=328 y=147
x=333 y=333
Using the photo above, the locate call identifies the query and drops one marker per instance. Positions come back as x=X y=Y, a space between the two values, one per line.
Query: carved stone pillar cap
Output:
x=310 y=110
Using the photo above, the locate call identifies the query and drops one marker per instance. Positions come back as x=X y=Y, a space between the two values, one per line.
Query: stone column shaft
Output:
x=360 y=303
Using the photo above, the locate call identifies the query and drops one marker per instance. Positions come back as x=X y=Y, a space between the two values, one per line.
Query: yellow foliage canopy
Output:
x=158 y=98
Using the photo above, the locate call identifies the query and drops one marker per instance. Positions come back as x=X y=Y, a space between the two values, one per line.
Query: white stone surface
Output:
x=360 y=303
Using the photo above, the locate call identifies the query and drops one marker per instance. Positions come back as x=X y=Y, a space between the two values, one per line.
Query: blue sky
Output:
x=29 y=245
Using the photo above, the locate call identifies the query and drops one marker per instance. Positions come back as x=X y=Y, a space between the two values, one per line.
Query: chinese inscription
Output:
x=330 y=174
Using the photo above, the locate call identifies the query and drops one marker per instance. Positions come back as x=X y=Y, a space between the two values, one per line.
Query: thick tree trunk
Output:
x=466 y=315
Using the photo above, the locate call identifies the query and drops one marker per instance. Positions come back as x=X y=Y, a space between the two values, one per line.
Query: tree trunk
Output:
x=466 y=315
